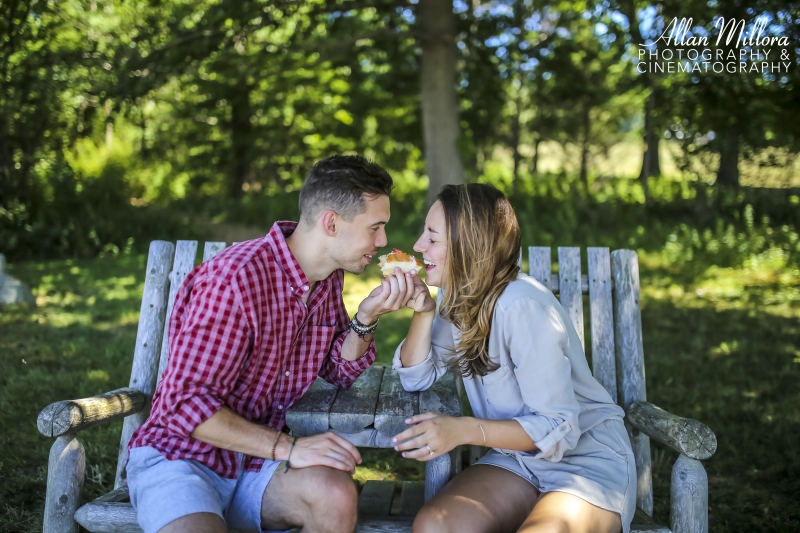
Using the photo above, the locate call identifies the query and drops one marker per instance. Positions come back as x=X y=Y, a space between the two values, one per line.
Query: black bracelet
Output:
x=361 y=329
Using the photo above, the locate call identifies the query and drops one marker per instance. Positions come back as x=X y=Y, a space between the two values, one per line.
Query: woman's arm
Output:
x=441 y=433
x=417 y=345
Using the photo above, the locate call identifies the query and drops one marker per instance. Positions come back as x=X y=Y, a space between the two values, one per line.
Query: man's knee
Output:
x=334 y=496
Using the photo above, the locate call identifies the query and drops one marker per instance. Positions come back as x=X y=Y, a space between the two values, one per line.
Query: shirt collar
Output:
x=286 y=260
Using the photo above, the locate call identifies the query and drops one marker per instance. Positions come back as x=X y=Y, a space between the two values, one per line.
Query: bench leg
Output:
x=437 y=474
x=65 y=473
x=689 y=497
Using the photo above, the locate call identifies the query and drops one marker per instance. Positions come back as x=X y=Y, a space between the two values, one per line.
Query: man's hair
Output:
x=339 y=183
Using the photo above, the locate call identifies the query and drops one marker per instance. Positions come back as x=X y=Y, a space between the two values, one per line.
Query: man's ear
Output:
x=328 y=221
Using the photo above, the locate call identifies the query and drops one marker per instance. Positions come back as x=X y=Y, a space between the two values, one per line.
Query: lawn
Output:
x=721 y=320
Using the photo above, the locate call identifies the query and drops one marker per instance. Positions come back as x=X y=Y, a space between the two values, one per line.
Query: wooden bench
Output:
x=375 y=407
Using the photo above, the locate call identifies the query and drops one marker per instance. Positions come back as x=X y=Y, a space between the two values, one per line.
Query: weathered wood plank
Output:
x=604 y=365
x=108 y=517
x=211 y=249
x=389 y=524
x=74 y=415
x=354 y=408
x=688 y=497
x=376 y=498
x=152 y=316
x=629 y=353
x=185 y=252
x=441 y=397
x=644 y=524
x=540 y=265
x=476 y=452
x=412 y=498
x=367 y=438
x=65 y=474
x=684 y=435
x=437 y=474
x=116 y=495
x=569 y=286
x=311 y=414
x=395 y=405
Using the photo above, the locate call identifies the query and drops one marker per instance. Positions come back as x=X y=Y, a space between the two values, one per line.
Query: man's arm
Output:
x=225 y=429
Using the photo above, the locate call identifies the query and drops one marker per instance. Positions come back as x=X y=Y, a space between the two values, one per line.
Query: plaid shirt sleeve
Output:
x=208 y=346
x=336 y=369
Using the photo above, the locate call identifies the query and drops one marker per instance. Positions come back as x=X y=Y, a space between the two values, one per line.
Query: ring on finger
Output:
x=429 y=449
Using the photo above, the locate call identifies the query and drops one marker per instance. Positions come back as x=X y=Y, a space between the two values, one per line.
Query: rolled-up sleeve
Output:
x=424 y=374
x=537 y=341
x=342 y=372
x=208 y=347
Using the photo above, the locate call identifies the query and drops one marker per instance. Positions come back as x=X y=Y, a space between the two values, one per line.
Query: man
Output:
x=249 y=332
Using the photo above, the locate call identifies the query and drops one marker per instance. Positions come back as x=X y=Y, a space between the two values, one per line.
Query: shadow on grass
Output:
x=738 y=372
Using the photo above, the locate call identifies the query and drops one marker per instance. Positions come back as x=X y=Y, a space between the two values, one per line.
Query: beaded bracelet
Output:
x=289 y=457
x=361 y=329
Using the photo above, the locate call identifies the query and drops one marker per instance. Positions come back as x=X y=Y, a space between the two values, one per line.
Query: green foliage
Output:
x=721 y=315
x=74 y=217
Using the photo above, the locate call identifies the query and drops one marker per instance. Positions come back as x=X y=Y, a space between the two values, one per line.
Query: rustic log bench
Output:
x=374 y=409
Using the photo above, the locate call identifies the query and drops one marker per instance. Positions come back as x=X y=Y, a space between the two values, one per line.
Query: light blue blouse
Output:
x=543 y=382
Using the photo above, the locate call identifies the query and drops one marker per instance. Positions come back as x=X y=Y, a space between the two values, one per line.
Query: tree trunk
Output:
x=515 y=137
x=440 y=113
x=650 y=161
x=240 y=130
x=585 y=148
x=728 y=172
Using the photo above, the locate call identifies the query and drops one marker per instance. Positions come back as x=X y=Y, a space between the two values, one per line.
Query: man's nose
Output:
x=382 y=240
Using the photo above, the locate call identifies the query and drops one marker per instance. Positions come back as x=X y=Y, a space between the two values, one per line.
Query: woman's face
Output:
x=432 y=244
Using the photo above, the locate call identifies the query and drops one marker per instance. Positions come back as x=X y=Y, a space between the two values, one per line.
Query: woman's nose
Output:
x=417 y=248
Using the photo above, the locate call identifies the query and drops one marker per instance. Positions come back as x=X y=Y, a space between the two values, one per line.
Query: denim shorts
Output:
x=162 y=491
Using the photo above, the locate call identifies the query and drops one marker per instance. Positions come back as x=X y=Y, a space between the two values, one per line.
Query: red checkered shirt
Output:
x=241 y=336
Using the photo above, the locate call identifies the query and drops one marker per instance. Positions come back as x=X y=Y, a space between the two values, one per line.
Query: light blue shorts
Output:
x=162 y=491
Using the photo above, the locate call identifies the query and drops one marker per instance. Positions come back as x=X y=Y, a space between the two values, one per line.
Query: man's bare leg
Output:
x=196 y=523
x=481 y=499
x=318 y=499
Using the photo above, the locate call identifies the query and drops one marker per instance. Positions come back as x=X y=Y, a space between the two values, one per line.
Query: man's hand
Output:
x=327 y=449
x=393 y=293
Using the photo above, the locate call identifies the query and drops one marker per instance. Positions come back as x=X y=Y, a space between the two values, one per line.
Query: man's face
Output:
x=357 y=242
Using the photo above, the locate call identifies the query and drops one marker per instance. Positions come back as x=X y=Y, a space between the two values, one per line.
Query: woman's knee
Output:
x=432 y=519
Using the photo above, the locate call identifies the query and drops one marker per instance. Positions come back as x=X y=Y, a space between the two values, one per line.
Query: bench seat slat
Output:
x=376 y=498
x=354 y=408
x=311 y=414
x=395 y=405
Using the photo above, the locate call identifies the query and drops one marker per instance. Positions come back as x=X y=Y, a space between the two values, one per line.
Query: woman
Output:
x=560 y=458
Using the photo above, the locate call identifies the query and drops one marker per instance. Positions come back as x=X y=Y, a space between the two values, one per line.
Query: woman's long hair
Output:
x=483 y=244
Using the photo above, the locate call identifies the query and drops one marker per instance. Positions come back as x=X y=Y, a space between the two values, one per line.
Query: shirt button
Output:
x=280 y=407
x=287 y=372
x=305 y=287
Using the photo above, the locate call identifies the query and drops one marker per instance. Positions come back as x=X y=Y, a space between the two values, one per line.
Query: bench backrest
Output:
x=615 y=327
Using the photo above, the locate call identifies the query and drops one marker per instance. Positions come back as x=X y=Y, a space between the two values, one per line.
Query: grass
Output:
x=720 y=313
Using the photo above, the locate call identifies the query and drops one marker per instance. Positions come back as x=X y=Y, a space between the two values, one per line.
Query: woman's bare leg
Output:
x=559 y=512
x=481 y=499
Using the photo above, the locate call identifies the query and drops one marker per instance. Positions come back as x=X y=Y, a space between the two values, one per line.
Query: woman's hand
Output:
x=421 y=302
x=432 y=435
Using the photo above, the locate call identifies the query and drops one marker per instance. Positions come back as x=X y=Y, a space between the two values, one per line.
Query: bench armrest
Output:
x=74 y=415
x=684 y=435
